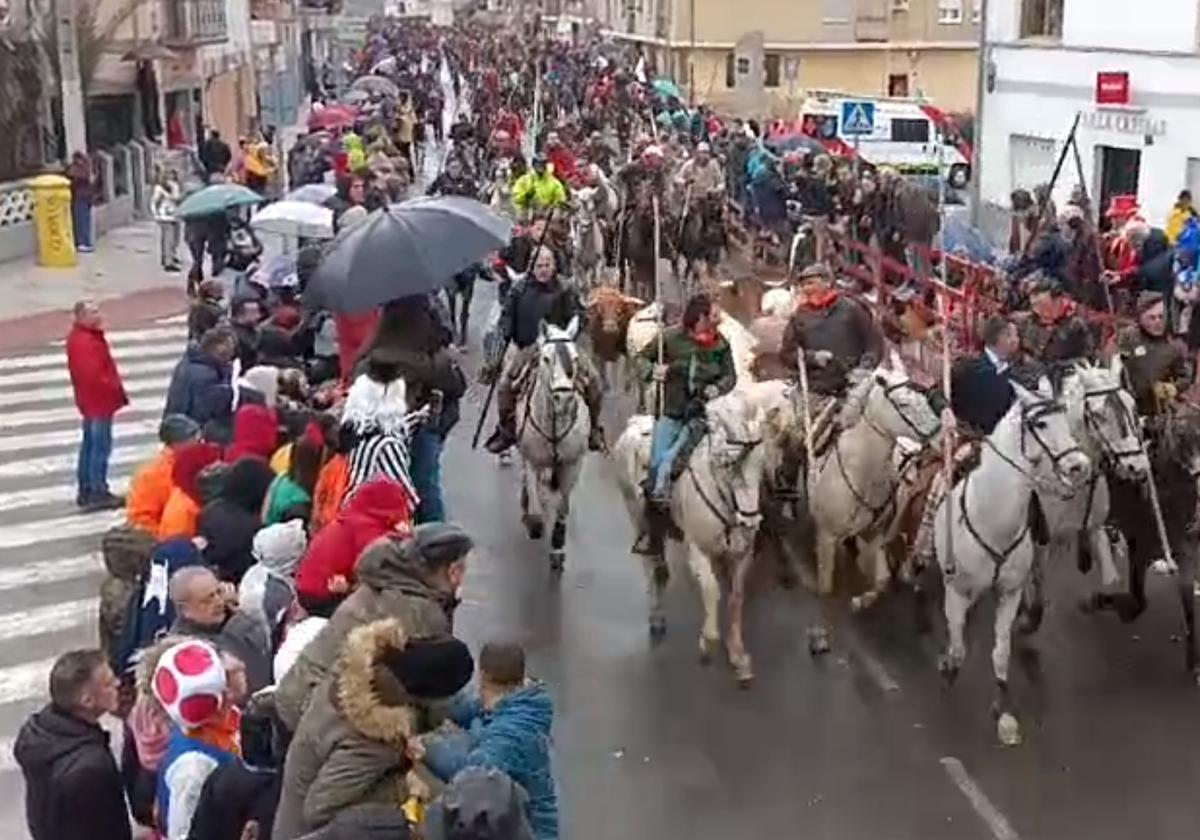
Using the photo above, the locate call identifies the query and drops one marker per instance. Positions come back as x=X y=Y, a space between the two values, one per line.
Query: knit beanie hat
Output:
x=441 y=543
x=430 y=669
x=279 y=547
x=1147 y=301
x=178 y=428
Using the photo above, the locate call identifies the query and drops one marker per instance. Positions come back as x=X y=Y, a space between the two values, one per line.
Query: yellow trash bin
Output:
x=52 y=217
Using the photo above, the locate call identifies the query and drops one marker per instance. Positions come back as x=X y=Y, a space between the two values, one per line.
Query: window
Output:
x=910 y=131
x=730 y=71
x=835 y=11
x=1041 y=18
x=771 y=64
x=898 y=84
x=976 y=11
x=899 y=5
x=950 y=11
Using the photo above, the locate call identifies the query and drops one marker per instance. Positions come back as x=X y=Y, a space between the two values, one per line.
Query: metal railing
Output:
x=193 y=22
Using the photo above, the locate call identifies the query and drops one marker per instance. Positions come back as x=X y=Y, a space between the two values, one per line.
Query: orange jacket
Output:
x=330 y=491
x=180 y=516
x=149 y=491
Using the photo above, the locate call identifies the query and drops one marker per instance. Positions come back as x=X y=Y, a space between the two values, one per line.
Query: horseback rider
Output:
x=1156 y=366
x=701 y=176
x=541 y=296
x=538 y=190
x=697 y=366
x=981 y=394
x=453 y=181
x=836 y=333
x=1053 y=335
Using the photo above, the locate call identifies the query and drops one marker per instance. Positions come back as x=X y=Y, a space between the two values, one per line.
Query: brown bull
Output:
x=608 y=314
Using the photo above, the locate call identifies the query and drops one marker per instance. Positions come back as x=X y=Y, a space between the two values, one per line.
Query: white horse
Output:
x=985 y=542
x=1103 y=418
x=853 y=491
x=501 y=199
x=587 y=234
x=552 y=437
x=715 y=503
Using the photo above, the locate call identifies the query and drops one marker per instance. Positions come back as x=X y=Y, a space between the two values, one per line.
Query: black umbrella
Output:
x=406 y=249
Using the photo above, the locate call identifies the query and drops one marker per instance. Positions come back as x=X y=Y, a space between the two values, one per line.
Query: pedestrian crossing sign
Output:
x=858 y=118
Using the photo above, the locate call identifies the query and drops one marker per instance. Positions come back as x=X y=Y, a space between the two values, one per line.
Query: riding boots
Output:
x=505 y=434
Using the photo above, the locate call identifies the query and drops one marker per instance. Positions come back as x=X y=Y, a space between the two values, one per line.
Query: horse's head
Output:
x=896 y=406
x=585 y=201
x=1047 y=442
x=1104 y=414
x=736 y=437
x=558 y=358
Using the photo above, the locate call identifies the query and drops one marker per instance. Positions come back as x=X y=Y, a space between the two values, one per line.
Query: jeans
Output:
x=81 y=221
x=426 y=467
x=92 y=473
x=668 y=439
x=169 y=243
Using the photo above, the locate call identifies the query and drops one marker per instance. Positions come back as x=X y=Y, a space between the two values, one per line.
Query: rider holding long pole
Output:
x=696 y=366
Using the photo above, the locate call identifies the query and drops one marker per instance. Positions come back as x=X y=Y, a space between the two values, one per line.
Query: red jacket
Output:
x=353 y=332
x=255 y=433
x=374 y=510
x=98 y=389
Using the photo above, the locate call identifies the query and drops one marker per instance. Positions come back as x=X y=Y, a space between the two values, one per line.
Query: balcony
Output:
x=191 y=23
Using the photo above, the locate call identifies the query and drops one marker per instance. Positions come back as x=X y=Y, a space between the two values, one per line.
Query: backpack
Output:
x=149 y=613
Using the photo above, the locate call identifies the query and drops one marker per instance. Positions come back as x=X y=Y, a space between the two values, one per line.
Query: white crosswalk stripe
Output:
x=50 y=564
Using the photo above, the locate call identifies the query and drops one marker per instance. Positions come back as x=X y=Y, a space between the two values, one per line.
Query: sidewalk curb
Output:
x=30 y=331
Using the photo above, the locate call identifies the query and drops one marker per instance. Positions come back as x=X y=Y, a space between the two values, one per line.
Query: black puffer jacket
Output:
x=72 y=788
x=230 y=522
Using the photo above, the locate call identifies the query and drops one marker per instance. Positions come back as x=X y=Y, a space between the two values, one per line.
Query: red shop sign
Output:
x=1112 y=88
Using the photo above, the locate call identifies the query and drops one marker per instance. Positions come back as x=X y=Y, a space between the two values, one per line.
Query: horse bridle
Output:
x=1030 y=415
x=1093 y=425
x=745 y=447
x=888 y=391
x=568 y=364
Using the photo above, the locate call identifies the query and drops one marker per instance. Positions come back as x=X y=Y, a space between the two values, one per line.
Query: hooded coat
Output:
x=372 y=512
x=255 y=433
x=73 y=790
x=182 y=512
x=200 y=388
x=391 y=584
x=126 y=551
x=229 y=523
x=94 y=377
x=350 y=745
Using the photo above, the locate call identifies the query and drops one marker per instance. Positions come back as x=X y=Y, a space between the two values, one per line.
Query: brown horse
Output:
x=637 y=242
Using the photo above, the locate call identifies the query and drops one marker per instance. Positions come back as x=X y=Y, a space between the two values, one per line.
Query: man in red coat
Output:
x=99 y=394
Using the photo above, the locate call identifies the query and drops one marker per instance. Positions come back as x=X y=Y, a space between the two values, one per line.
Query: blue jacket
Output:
x=200 y=388
x=513 y=737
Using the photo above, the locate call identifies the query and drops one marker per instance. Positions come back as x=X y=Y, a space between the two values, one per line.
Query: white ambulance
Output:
x=904 y=135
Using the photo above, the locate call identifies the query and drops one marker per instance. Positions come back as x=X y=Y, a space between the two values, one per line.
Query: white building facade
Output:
x=1132 y=74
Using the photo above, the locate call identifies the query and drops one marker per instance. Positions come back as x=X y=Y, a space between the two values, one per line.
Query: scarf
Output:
x=706 y=339
x=223 y=731
x=821 y=299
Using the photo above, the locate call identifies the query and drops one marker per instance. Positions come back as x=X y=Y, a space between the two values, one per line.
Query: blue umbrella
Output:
x=216 y=199
x=667 y=88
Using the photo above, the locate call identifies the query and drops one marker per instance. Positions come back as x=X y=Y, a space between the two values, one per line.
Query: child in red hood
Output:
x=182 y=512
x=326 y=573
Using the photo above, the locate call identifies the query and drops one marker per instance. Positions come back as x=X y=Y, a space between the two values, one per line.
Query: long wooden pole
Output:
x=658 y=299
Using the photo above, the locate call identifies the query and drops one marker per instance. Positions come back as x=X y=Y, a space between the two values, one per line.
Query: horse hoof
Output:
x=788 y=579
x=948 y=668
x=745 y=681
x=658 y=628
x=558 y=560
x=1008 y=730
x=707 y=646
x=534 y=530
x=818 y=641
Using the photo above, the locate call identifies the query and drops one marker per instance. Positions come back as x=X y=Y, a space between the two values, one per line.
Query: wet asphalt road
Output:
x=864 y=743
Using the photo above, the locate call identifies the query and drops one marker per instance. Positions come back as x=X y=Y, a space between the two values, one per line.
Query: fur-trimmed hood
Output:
x=357 y=691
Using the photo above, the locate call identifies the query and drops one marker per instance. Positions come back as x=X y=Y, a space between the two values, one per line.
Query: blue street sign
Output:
x=858 y=118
